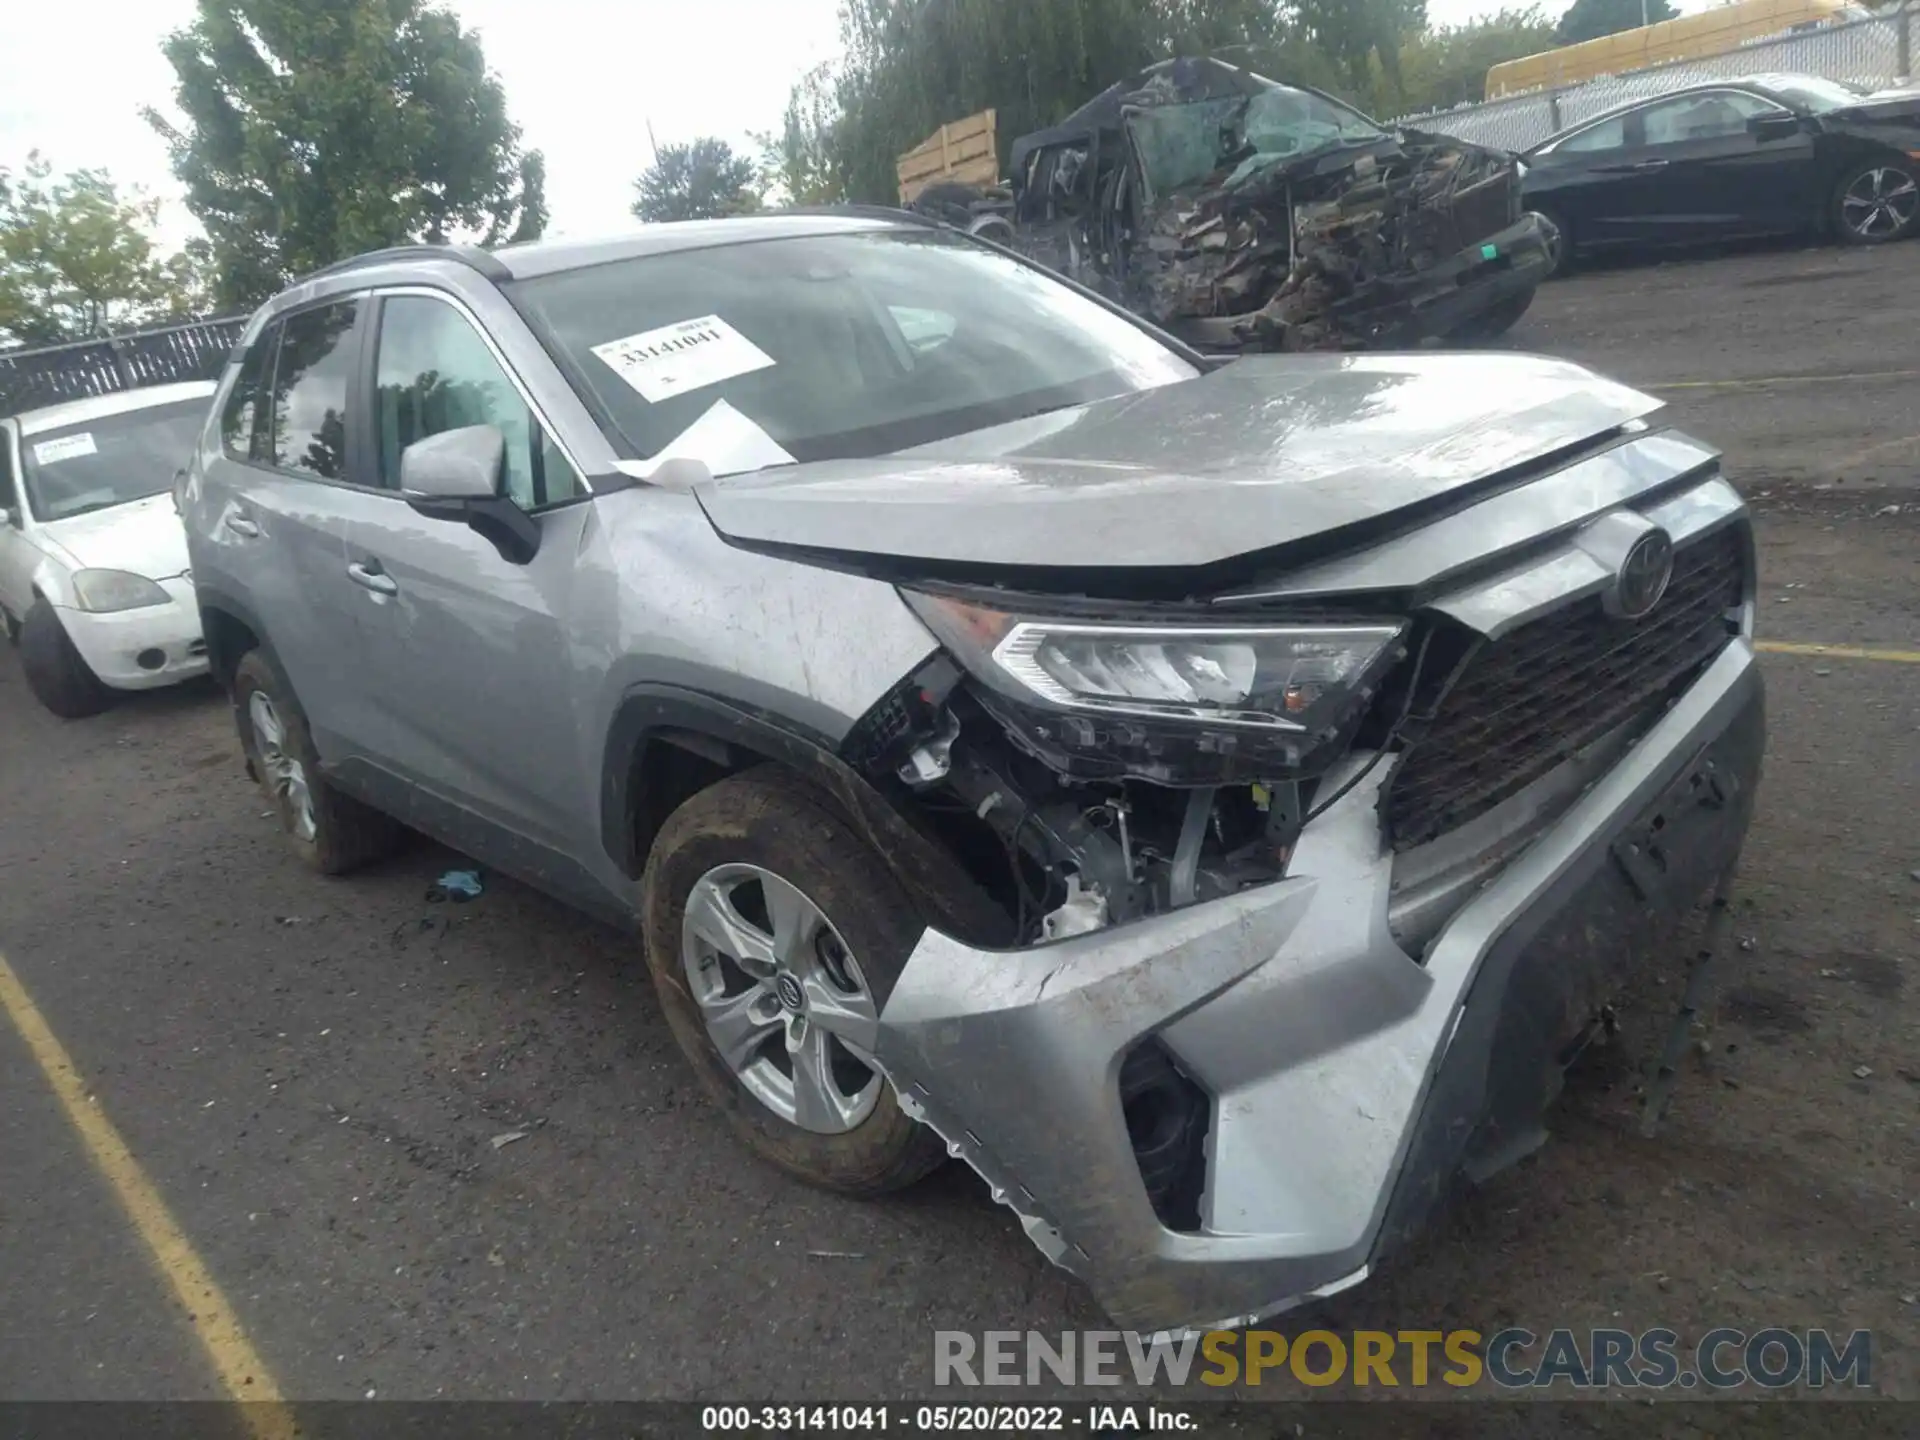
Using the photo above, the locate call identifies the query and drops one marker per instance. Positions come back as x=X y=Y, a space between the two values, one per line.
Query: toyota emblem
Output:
x=1643 y=575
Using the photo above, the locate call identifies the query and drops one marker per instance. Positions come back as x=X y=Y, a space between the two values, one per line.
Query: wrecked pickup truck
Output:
x=1241 y=215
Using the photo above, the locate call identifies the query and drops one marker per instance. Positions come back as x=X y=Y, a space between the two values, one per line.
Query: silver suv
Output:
x=1212 y=800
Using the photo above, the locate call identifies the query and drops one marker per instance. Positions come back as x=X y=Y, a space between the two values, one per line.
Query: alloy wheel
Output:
x=1879 y=203
x=286 y=777
x=783 y=998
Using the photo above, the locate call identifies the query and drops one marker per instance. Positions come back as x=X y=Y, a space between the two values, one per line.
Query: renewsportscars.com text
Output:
x=1510 y=1359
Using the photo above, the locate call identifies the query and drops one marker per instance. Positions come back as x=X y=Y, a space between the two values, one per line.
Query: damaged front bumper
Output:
x=1347 y=1083
x=1481 y=278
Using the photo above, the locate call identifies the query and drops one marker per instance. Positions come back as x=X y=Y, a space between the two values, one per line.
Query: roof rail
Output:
x=471 y=256
x=164 y=355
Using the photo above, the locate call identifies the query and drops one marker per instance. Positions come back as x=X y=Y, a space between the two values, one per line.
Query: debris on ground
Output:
x=837 y=1254
x=500 y=1142
x=1861 y=1072
x=457 y=886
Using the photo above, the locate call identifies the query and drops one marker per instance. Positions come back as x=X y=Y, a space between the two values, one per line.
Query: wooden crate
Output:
x=960 y=150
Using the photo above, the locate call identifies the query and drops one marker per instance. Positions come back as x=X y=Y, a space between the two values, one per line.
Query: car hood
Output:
x=143 y=536
x=1899 y=106
x=1263 y=453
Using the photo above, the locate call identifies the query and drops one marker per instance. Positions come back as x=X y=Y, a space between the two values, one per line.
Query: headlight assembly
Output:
x=105 y=591
x=1259 y=699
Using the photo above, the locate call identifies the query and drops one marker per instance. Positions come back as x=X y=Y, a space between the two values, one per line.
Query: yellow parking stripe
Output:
x=1785 y=380
x=241 y=1371
x=1838 y=652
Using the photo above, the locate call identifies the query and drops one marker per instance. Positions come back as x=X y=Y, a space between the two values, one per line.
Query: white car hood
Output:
x=143 y=536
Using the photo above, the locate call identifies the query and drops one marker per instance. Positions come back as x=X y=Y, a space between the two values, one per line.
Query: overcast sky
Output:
x=583 y=79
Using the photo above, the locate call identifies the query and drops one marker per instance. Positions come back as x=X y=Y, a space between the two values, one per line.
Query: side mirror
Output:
x=463 y=464
x=1773 y=127
x=455 y=475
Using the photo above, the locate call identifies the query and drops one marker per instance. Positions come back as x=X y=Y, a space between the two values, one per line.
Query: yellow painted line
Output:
x=242 y=1373
x=1838 y=652
x=1785 y=380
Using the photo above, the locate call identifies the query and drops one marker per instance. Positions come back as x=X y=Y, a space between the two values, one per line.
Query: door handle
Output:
x=241 y=525
x=371 y=577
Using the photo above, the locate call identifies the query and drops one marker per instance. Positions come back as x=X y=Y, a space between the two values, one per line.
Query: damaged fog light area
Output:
x=1089 y=773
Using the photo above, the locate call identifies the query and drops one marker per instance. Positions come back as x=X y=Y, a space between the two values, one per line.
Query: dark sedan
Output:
x=1761 y=155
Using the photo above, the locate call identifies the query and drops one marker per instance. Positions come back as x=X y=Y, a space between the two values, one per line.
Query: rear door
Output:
x=270 y=517
x=1592 y=179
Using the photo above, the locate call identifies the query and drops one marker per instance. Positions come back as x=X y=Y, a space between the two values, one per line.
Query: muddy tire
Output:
x=1876 y=201
x=799 y=934
x=330 y=832
x=1493 y=322
x=59 y=678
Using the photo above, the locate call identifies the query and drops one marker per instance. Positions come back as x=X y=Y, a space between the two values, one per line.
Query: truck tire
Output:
x=330 y=832
x=766 y=1021
x=59 y=678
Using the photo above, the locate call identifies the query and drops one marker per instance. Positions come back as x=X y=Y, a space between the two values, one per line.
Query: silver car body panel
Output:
x=1268 y=451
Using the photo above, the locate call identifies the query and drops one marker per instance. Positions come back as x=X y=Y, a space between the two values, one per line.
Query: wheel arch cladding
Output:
x=666 y=743
x=230 y=632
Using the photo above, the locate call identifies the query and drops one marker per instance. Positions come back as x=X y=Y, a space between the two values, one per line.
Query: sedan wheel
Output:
x=284 y=777
x=1878 y=202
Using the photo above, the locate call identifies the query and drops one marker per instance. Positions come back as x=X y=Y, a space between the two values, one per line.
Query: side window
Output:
x=435 y=373
x=1607 y=135
x=1703 y=117
x=311 y=378
x=241 y=433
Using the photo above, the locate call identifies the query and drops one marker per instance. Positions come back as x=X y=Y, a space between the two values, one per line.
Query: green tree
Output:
x=1358 y=34
x=697 y=181
x=1590 y=19
x=318 y=129
x=77 y=259
x=798 y=163
x=1445 y=67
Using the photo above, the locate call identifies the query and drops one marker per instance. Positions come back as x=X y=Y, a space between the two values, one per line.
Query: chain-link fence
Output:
x=1875 y=51
x=50 y=374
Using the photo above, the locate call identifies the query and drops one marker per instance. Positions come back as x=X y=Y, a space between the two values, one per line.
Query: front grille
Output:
x=1524 y=703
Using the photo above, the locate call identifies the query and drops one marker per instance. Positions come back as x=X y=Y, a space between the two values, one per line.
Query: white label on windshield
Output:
x=674 y=359
x=67 y=447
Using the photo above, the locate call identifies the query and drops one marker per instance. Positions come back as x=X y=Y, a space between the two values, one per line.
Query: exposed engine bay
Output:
x=1245 y=215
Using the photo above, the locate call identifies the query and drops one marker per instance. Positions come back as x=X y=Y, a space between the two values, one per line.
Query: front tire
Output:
x=56 y=673
x=331 y=832
x=774 y=936
x=1876 y=201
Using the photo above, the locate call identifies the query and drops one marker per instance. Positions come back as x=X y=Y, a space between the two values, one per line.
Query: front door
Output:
x=18 y=555
x=466 y=656
x=1704 y=173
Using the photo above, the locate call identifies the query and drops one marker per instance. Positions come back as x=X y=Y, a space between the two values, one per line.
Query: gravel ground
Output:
x=316 y=1075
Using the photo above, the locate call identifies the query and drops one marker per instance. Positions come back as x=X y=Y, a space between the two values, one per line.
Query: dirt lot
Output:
x=313 y=1073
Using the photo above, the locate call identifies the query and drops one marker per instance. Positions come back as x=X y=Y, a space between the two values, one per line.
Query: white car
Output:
x=94 y=583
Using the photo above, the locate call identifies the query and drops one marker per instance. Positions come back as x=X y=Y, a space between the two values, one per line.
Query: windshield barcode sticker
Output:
x=690 y=355
x=67 y=447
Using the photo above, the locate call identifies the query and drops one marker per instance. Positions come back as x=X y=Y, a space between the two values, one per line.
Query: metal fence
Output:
x=50 y=374
x=1875 y=51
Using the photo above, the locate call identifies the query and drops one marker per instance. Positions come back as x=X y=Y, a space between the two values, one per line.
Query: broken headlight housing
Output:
x=1194 y=704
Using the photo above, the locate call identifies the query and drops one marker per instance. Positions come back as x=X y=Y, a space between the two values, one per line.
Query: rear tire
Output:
x=1493 y=322
x=59 y=678
x=744 y=853
x=331 y=832
x=1876 y=201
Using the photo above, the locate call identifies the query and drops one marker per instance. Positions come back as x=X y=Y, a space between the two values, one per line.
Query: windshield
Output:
x=109 y=461
x=1181 y=145
x=833 y=346
x=1812 y=93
